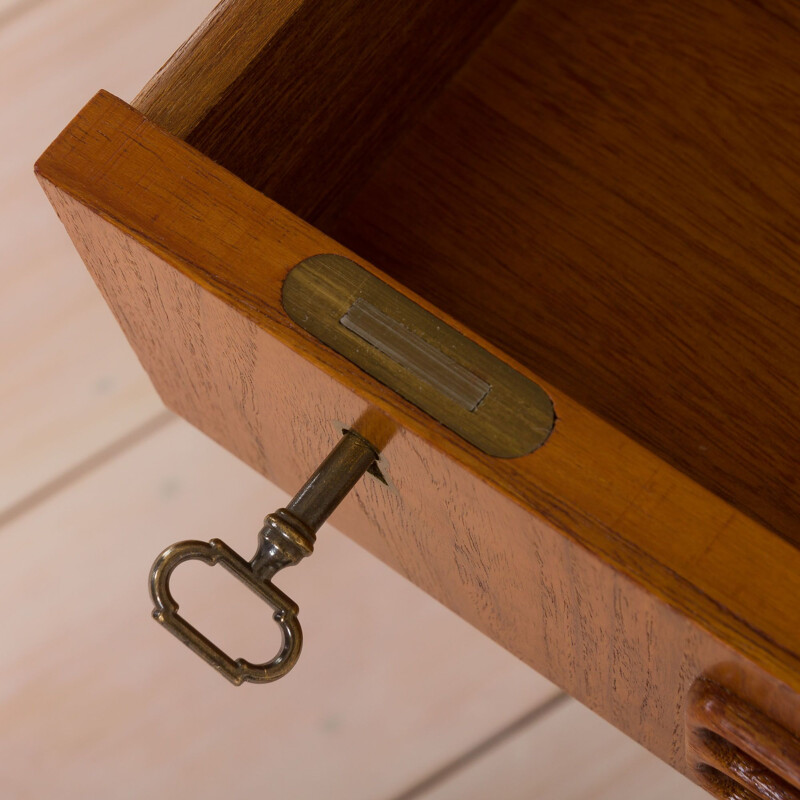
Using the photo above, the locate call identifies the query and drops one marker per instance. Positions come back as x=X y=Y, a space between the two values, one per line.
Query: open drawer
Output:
x=598 y=199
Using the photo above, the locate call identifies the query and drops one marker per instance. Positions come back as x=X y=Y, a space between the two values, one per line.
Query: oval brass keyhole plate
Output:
x=419 y=356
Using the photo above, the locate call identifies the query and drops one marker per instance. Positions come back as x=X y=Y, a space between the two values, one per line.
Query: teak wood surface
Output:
x=620 y=179
x=301 y=98
x=736 y=750
x=594 y=561
x=605 y=191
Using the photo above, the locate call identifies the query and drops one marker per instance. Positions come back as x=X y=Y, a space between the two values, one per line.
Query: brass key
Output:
x=287 y=537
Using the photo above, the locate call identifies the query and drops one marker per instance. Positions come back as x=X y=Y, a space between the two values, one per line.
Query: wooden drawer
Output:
x=600 y=195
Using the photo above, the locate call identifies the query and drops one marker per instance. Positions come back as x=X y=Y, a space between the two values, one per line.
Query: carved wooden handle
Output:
x=736 y=752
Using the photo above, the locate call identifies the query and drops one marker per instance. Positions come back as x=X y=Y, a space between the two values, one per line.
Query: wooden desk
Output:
x=602 y=195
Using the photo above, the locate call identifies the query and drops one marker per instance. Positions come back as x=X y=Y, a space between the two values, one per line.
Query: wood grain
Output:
x=592 y=560
x=306 y=87
x=730 y=739
x=621 y=179
x=194 y=78
x=130 y=713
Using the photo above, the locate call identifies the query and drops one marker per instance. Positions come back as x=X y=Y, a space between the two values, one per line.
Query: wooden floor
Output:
x=394 y=697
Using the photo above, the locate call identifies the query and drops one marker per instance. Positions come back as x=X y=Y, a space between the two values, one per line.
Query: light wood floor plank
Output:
x=69 y=383
x=96 y=700
x=568 y=754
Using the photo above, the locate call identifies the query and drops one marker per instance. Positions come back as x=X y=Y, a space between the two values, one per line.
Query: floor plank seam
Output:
x=531 y=717
x=75 y=473
x=13 y=13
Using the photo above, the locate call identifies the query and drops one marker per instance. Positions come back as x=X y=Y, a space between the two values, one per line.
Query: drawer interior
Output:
x=608 y=191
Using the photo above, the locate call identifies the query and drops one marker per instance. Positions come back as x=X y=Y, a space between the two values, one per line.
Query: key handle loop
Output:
x=166 y=613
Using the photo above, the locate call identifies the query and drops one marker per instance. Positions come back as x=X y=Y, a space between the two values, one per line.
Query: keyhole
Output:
x=377 y=469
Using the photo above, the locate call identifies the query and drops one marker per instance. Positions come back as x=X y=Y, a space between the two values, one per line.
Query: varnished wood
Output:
x=730 y=740
x=608 y=192
x=301 y=99
x=592 y=560
x=653 y=233
x=197 y=75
